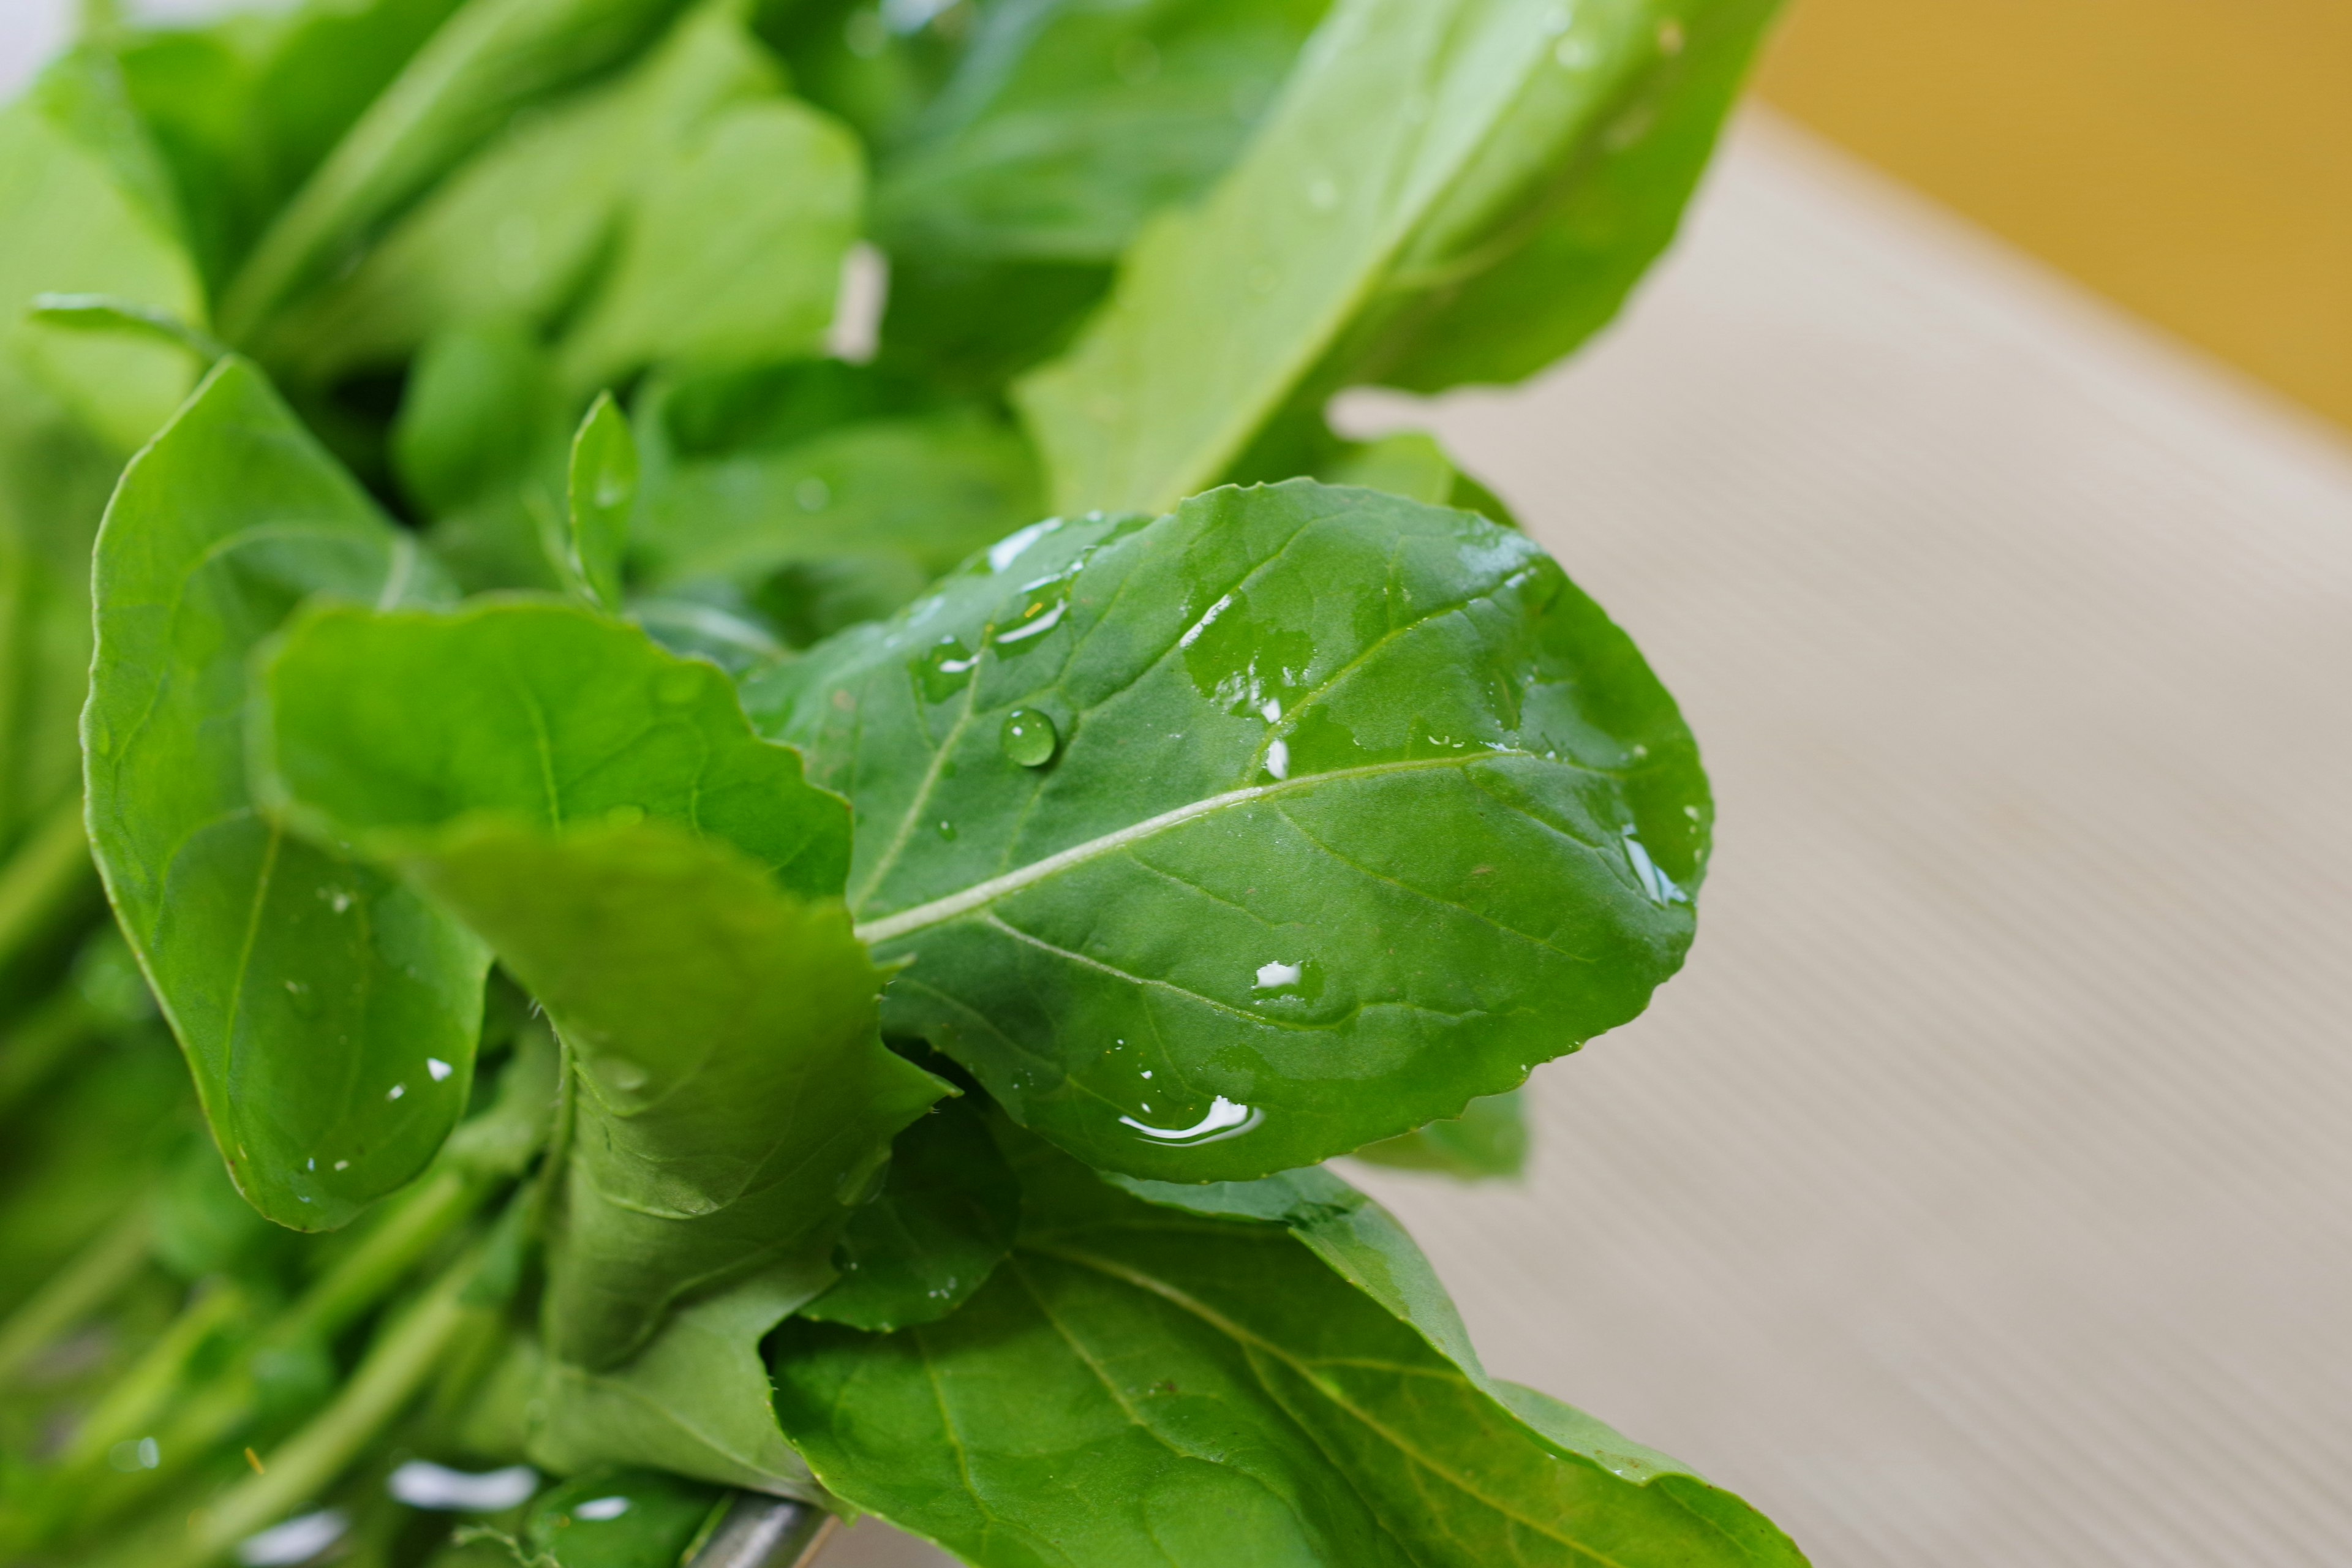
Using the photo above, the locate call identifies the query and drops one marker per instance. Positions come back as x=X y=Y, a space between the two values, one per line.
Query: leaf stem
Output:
x=104 y=1266
x=48 y=875
x=394 y=1371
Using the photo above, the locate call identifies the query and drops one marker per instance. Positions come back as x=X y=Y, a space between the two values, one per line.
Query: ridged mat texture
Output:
x=1981 y=1194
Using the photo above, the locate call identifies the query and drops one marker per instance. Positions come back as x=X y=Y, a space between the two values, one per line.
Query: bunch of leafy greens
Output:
x=714 y=949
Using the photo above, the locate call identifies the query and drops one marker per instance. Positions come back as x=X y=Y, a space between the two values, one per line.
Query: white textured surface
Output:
x=1983 y=1194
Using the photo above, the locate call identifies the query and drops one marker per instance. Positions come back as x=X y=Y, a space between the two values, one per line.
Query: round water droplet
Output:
x=1029 y=738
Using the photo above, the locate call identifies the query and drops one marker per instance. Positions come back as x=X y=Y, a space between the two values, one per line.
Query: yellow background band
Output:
x=2191 y=159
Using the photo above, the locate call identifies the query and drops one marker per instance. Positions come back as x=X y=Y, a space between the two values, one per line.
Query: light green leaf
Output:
x=943 y=1222
x=1066 y=124
x=479 y=448
x=516 y=232
x=1142 y=1386
x=492 y=59
x=930 y=488
x=1357 y=809
x=76 y=215
x=329 y=1015
x=384 y=729
x=1421 y=145
x=1489 y=1139
x=732 y=254
x=656 y=1525
x=543 y=772
x=601 y=491
x=695 y=1402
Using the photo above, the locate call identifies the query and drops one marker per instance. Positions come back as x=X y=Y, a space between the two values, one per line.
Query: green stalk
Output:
x=104 y=1266
x=49 y=873
x=43 y=1042
x=207 y=1419
x=395 y=1372
x=142 y=1393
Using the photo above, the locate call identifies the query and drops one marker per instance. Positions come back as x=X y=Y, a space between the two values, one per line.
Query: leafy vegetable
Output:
x=1436 y=197
x=1141 y=1385
x=551 y=532
x=329 y=1015
x=1357 y=809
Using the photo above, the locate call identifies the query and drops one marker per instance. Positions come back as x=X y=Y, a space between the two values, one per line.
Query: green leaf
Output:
x=1489 y=1139
x=84 y=208
x=943 y=1222
x=329 y=1015
x=515 y=232
x=1420 y=148
x=931 y=489
x=1066 y=125
x=1143 y=1386
x=1358 y=810
x=695 y=1402
x=541 y=773
x=479 y=446
x=384 y=729
x=733 y=253
x=602 y=491
x=106 y=313
x=491 y=59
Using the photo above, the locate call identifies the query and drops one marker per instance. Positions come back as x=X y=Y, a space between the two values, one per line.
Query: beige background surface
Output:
x=1981 y=1193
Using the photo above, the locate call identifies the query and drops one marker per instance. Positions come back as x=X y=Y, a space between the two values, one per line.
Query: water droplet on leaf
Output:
x=1029 y=738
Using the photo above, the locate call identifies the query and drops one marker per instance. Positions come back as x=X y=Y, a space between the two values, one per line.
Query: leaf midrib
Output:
x=939 y=910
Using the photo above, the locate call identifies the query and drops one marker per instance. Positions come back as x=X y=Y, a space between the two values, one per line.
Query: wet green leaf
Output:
x=1422 y=153
x=941 y=1224
x=618 y=1519
x=329 y=1015
x=1360 y=809
x=1271 y=1378
x=662 y=881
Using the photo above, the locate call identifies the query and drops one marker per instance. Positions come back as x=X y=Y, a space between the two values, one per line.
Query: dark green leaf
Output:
x=1421 y=147
x=1139 y=1385
x=601 y=491
x=1360 y=810
x=492 y=59
x=329 y=1015
x=479 y=446
x=944 y=1220
x=516 y=232
x=1489 y=1139
x=732 y=254
x=540 y=771
x=1068 y=124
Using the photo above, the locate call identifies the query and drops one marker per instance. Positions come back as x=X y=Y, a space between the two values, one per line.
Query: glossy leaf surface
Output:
x=1144 y=1385
x=1418 y=147
x=732 y=1093
x=601 y=491
x=328 y=1013
x=943 y=1221
x=1360 y=810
